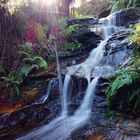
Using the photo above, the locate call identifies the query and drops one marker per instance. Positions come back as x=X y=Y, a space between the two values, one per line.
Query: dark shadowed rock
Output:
x=90 y=21
x=125 y=17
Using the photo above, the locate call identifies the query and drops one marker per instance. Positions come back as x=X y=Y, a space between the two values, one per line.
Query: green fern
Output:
x=35 y=61
x=12 y=81
x=40 y=61
x=123 y=83
x=23 y=73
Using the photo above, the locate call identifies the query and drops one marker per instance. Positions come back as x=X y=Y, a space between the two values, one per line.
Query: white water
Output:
x=109 y=25
x=46 y=95
x=66 y=89
x=62 y=127
x=87 y=101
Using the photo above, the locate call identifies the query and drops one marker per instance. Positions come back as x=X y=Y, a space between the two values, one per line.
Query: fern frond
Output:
x=40 y=61
x=23 y=72
x=30 y=60
x=25 y=54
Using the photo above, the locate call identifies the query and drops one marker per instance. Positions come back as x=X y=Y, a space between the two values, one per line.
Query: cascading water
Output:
x=45 y=96
x=66 y=88
x=109 y=25
x=62 y=127
x=87 y=101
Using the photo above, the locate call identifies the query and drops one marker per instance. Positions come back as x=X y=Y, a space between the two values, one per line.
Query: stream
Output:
x=64 y=125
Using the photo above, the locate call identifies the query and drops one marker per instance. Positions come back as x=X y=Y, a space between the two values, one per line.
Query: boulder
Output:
x=86 y=36
x=127 y=17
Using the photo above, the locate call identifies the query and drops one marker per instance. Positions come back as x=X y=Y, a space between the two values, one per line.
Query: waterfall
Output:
x=66 y=88
x=46 y=95
x=62 y=127
x=86 y=105
x=96 y=54
x=110 y=25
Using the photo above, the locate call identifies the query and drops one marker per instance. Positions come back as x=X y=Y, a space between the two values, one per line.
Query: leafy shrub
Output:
x=123 y=91
x=136 y=37
x=71 y=29
x=73 y=46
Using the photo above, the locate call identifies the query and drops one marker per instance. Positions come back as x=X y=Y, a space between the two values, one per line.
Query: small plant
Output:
x=30 y=62
x=16 y=80
x=34 y=61
x=123 y=91
x=71 y=29
x=11 y=80
x=73 y=46
x=136 y=37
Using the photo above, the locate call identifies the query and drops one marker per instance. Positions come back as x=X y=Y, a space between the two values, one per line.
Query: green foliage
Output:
x=31 y=62
x=117 y=7
x=136 y=62
x=73 y=46
x=136 y=37
x=122 y=4
x=40 y=61
x=82 y=16
x=71 y=29
x=136 y=44
x=124 y=90
x=15 y=81
x=12 y=81
x=23 y=73
x=35 y=61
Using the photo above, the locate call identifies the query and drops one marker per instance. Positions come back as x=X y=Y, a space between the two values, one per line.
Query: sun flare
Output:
x=45 y=2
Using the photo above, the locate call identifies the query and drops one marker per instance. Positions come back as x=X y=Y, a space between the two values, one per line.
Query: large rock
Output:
x=125 y=17
x=86 y=36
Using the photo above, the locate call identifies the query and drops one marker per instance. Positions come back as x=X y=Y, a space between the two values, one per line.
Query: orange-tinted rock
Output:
x=7 y=108
x=96 y=137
